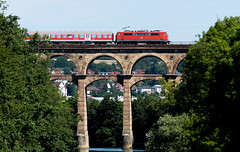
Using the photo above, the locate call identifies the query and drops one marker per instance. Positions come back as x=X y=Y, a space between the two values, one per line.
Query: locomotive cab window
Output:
x=164 y=33
x=154 y=33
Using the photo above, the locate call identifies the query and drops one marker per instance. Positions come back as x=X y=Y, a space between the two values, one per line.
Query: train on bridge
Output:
x=126 y=37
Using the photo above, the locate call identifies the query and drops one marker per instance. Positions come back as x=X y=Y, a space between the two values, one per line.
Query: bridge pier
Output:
x=127 y=132
x=82 y=129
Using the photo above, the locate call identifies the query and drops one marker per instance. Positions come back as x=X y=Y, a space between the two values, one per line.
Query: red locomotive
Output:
x=126 y=37
x=153 y=37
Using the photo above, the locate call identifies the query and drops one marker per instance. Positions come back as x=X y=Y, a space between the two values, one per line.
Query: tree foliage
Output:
x=32 y=114
x=211 y=87
x=146 y=112
x=62 y=62
x=168 y=135
x=105 y=123
x=152 y=65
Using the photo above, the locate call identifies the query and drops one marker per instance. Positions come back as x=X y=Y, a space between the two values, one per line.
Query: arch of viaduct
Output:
x=127 y=60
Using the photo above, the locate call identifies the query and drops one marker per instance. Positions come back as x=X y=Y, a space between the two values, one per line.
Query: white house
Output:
x=157 y=88
x=62 y=88
x=145 y=89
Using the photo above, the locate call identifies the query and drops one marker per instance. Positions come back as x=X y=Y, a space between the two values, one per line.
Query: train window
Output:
x=164 y=33
x=154 y=33
x=99 y=36
x=64 y=36
x=41 y=35
x=93 y=35
x=81 y=35
x=52 y=35
x=70 y=36
x=109 y=36
x=128 y=33
x=59 y=36
x=75 y=36
x=105 y=36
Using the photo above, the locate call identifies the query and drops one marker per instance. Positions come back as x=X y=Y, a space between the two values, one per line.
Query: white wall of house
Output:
x=157 y=88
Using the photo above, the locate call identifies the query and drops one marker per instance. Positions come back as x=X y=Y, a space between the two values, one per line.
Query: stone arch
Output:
x=138 y=79
x=89 y=62
x=131 y=66
x=177 y=62
x=67 y=77
x=90 y=80
x=68 y=55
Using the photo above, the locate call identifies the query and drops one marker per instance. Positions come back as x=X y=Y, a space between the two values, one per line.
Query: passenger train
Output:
x=126 y=37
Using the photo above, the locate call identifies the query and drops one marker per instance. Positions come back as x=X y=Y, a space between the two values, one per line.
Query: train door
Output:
x=87 y=37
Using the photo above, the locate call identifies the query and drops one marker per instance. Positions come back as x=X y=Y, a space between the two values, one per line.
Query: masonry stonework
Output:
x=127 y=59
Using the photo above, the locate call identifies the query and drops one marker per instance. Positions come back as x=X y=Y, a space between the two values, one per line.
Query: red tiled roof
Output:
x=92 y=88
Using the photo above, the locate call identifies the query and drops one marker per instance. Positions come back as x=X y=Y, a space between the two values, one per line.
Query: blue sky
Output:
x=182 y=19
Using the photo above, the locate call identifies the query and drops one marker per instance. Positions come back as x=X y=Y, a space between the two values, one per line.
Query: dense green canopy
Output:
x=32 y=114
x=211 y=87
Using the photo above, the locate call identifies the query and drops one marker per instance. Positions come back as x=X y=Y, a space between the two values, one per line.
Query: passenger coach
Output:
x=103 y=37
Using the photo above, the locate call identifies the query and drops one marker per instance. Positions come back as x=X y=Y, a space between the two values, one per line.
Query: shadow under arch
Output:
x=107 y=60
x=149 y=64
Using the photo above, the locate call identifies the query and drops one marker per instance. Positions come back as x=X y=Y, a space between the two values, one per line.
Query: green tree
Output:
x=211 y=87
x=32 y=114
x=147 y=110
x=169 y=135
x=105 y=123
x=152 y=65
x=67 y=70
x=62 y=62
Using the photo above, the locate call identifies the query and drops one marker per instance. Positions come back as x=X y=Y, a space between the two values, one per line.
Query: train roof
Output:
x=69 y=32
x=144 y=31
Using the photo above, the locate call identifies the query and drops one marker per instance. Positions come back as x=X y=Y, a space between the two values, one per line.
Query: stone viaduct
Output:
x=127 y=56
